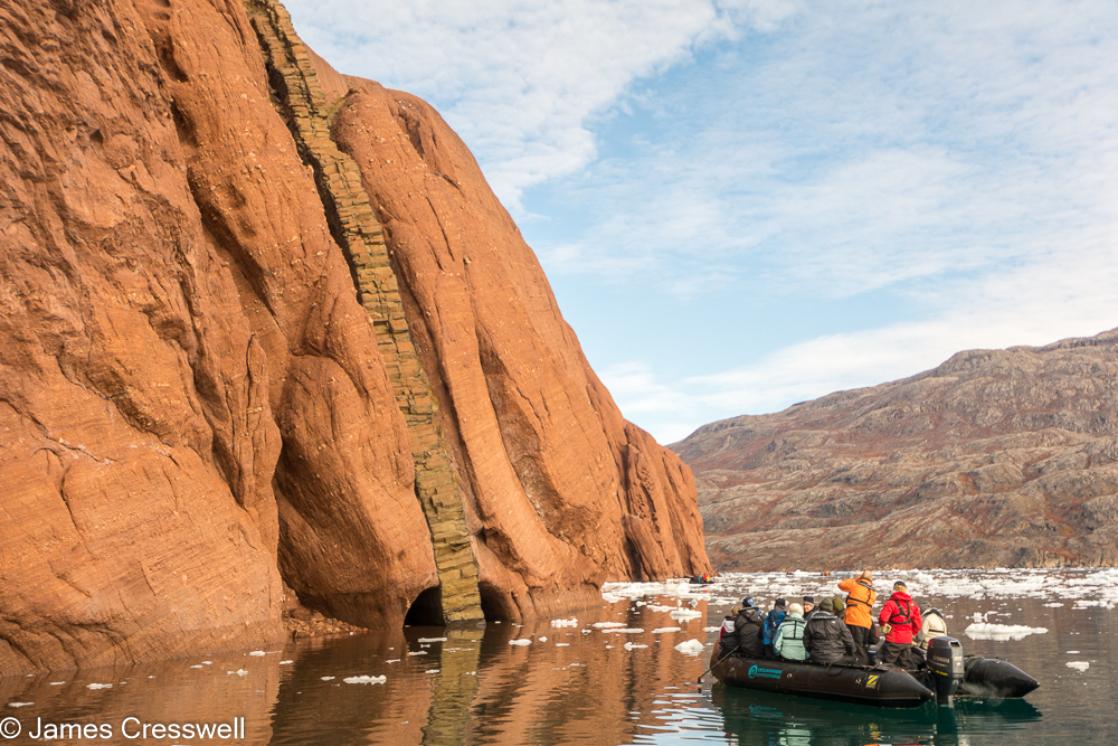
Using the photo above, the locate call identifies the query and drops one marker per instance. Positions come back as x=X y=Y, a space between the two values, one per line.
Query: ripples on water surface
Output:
x=585 y=685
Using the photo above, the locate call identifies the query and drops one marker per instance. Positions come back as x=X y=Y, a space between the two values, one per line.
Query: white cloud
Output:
x=519 y=79
x=961 y=157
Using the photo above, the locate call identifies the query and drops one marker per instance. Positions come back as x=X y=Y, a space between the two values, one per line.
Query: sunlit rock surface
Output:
x=269 y=342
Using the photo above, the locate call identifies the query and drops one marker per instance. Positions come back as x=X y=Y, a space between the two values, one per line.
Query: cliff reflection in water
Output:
x=585 y=685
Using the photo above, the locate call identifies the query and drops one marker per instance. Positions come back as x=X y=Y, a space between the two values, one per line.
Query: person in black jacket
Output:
x=747 y=634
x=828 y=641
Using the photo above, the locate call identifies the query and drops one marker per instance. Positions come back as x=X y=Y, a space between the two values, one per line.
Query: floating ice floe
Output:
x=711 y=629
x=326 y=678
x=562 y=644
x=417 y=652
x=393 y=660
x=634 y=645
x=1078 y=665
x=608 y=625
x=286 y=663
x=431 y=670
x=96 y=685
x=20 y=704
x=257 y=653
x=365 y=679
x=685 y=614
x=197 y=665
x=987 y=631
x=572 y=622
x=690 y=647
x=523 y=642
x=663 y=630
x=541 y=638
x=1073 y=652
x=431 y=639
x=61 y=683
x=624 y=630
x=239 y=672
x=1054 y=605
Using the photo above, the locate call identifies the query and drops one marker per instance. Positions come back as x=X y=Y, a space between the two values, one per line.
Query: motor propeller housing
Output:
x=945 y=662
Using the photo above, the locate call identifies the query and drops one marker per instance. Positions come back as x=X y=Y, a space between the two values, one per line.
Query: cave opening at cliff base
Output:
x=427 y=609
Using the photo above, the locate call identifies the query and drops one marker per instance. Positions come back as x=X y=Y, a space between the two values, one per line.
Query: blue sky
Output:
x=742 y=204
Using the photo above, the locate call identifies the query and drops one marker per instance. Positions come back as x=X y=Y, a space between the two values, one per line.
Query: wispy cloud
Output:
x=954 y=163
x=520 y=79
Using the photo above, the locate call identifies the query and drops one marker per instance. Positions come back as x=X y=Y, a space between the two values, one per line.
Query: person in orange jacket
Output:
x=901 y=622
x=860 y=598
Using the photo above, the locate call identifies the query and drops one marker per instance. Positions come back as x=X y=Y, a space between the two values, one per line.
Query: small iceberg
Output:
x=523 y=642
x=239 y=672
x=257 y=653
x=634 y=645
x=988 y=631
x=572 y=622
x=690 y=647
x=1078 y=665
x=607 y=625
x=663 y=630
x=365 y=679
x=20 y=704
x=96 y=685
x=326 y=678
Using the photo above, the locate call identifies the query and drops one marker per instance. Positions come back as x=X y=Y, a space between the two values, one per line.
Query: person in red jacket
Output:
x=901 y=622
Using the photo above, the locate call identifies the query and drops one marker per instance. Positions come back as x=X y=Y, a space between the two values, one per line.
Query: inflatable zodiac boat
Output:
x=947 y=675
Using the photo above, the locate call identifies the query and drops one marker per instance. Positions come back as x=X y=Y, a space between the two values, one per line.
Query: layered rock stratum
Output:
x=269 y=344
x=995 y=458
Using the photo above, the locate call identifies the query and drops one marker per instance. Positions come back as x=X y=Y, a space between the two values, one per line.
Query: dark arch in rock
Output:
x=427 y=609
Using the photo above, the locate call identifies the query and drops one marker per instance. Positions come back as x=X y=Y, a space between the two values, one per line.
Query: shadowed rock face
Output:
x=261 y=341
x=997 y=457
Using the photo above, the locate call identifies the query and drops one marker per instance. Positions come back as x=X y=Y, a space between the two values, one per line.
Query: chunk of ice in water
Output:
x=257 y=653
x=19 y=704
x=608 y=625
x=662 y=630
x=1078 y=665
x=523 y=642
x=572 y=622
x=634 y=645
x=690 y=647
x=987 y=631
x=685 y=614
x=326 y=678
x=365 y=679
x=431 y=639
x=96 y=685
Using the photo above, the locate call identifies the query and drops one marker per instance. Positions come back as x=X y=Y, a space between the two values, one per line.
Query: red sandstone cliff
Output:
x=265 y=331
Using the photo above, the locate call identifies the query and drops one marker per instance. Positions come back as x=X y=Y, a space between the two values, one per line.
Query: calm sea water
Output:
x=585 y=685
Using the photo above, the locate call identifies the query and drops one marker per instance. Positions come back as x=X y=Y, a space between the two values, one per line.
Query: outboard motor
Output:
x=945 y=662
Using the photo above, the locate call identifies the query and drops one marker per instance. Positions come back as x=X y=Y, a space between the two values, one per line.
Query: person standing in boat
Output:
x=860 y=598
x=901 y=622
x=788 y=642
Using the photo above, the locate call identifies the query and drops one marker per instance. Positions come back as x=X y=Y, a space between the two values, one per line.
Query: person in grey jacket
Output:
x=828 y=641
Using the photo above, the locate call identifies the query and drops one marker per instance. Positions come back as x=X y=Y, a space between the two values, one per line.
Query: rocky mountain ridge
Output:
x=996 y=457
x=269 y=344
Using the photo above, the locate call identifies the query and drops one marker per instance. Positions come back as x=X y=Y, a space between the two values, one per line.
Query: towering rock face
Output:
x=995 y=458
x=266 y=335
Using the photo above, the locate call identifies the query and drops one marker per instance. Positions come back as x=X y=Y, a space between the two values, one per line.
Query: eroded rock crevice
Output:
x=352 y=220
